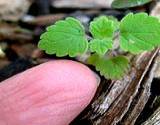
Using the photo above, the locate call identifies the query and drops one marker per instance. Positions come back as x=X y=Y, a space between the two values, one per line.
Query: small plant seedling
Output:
x=137 y=33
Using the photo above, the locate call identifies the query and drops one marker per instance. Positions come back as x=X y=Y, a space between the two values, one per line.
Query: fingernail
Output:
x=97 y=78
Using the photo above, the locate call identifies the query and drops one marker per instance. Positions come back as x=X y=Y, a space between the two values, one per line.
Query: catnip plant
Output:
x=136 y=32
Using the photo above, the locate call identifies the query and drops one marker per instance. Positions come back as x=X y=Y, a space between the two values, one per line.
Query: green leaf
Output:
x=113 y=68
x=128 y=3
x=100 y=46
x=115 y=21
x=102 y=28
x=66 y=37
x=139 y=32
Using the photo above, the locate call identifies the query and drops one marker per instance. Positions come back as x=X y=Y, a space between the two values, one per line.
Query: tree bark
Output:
x=121 y=101
x=154 y=119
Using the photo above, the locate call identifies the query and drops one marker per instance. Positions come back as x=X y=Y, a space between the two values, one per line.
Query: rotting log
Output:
x=154 y=119
x=121 y=101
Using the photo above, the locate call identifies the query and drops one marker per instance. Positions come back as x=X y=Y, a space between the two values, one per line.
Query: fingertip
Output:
x=51 y=93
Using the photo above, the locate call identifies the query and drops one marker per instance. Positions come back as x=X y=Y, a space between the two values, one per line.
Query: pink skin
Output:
x=53 y=93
